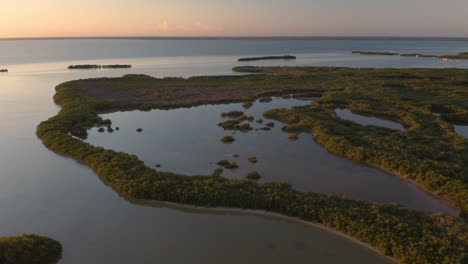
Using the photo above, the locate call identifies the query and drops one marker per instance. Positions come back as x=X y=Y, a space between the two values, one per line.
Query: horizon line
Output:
x=244 y=38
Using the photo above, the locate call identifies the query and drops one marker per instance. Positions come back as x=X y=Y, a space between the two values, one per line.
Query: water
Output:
x=309 y=52
x=462 y=130
x=366 y=121
x=187 y=141
x=41 y=192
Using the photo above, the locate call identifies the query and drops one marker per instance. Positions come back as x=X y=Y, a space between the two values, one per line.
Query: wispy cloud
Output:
x=163 y=27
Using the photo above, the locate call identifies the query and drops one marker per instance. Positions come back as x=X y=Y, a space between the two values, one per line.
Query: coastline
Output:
x=262 y=213
x=413 y=182
x=434 y=38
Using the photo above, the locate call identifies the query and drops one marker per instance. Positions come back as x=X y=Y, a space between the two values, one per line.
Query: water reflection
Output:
x=462 y=130
x=47 y=194
x=187 y=141
x=366 y=121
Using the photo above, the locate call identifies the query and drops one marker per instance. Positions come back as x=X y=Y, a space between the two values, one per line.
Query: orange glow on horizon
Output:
x=71 y=18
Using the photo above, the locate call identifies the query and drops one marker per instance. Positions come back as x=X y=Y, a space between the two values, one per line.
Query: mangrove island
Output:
x=427 y=152
x=29 y=249
x=96 y=66
x=460 y=56
x=284 y=57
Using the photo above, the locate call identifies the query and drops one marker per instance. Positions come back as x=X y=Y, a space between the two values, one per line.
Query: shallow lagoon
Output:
x=187 y=141
x=366 y=121
x=462 y=130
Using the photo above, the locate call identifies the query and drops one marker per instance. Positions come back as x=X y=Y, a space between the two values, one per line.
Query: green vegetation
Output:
x=265 y=100
x=429 y=152
x=101 y=130
x=259 y=121
x=236 y=155
x=84 y=66
x=245 y=127
x=232 y=114
x=228 y=165
x=247 y=105
x=117 y=66
x=293 y=137
x=227 y=139
x=460 y=56
x=217 y=172
x=29 y=249
x=235 y=124
x=285 y=57
x=270 y=124
x=95 y=66
x=254 y=175
x=253 y=159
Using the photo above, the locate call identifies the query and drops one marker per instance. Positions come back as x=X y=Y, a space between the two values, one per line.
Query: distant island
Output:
x=96 y=66
x=285 y=57
x=3 y=70
x=460 y=56
x=376 y=53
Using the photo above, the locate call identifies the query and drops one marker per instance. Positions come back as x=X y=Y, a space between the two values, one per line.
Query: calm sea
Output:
x=43 y=193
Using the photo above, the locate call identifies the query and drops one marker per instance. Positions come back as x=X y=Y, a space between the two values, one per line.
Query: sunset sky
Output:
x=71 y=18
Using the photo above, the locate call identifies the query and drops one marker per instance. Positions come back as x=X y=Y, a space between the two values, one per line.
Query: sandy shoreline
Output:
x=264 y=213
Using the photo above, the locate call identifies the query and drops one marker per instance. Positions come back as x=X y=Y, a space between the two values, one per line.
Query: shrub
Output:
x=228 y=139
x=253 y=159
x=29 y=249
x=253 y=175
x=227 y=165
x=247 y=105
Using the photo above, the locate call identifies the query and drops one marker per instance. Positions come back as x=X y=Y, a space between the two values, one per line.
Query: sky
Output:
x=78 y=18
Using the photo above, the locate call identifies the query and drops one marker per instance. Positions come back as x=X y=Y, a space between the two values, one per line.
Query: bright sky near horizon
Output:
x=72 y=18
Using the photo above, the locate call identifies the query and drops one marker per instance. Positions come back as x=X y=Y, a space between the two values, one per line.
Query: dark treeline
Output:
x=376 y=53
x=3 y=70
x=460 y=56
x=409 y=236
x=29 y=249
x=285 y=57
x=96 y=66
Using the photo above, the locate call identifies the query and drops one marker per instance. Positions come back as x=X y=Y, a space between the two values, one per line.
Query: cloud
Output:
x=163 y=27
x=206 y=27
